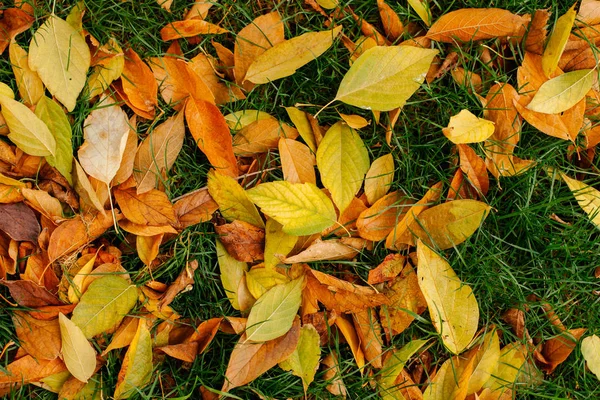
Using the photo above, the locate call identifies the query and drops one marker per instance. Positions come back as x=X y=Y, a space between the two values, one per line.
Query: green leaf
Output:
x=136 y=370
x=60 y=56
x=286 y=57
x=383 y=78
x=232 y=272
x=453 y=308
x=587 y=197
x=78 y=354
x=232 y=199
x=273 y=314
x=590 y=348
x=58 y=124
x=27 y=131
x=563 y=92
x=302 y=208
x=393 y=367
x=343 y=161
x=277 y=242
x=104 y=304
x=304 y=361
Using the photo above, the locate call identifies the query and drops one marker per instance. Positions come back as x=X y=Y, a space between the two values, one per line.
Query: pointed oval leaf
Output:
x=563 y=92
x=57 y=122
x=233 y=201
x=558 y=40
x=136 y=369
x=512 y=358
x=590 y=348
x=285 y=58
x=453 y=308
x=304 y=361
x=29 y=83
x=232 y=272
x=78 y=354
x=486 y=356
x=302 y=208
x=150 y=208
x=273 y=314
x=343 y=161
x=104 y=304
x=587 y=197
x=379 y=178
x=383 y=78
x=421 y=7
x=450 y=381
x=297 y=161
x=60 y=56
x=465 y=127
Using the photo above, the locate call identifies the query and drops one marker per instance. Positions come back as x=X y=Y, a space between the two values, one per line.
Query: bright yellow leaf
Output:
x=587 y=197
x=563 y=92
x=379 y=178
x=558 y=40
x=465 y=127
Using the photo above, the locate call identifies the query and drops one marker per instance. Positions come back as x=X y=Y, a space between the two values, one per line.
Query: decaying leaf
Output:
x=324 y=250
x=303 y=362
x=243 y=241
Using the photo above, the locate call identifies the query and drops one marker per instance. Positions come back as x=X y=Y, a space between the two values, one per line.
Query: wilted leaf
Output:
x=243 y=241
x=465 y=127
x=469 y=24
x=383 y=78
x=336 y=385
x=40 y=338
x=136 y=369
x=557 y=41
x=369 y=332
x=27 y=369
x=302 y=208
x=29 y=83
x=283 y=59
x=30 y=294
x=379 y=178
x=277 y=243
x=19 y=222
x=234 y=203
x=78 y=353
x=60 y=56
x=149 y=208
x=563 y=92
x=194 y=208
x=393 y=367
x=587 y=197
x=273 y=314
x=304 y=361
x=104 y=304
x=343 y=161
x=189 y=28
x=453 y=308
x=590 y=348
x=232 y=272
x=297 y=161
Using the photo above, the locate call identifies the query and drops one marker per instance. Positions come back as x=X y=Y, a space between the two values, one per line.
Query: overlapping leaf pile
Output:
x=78 y=303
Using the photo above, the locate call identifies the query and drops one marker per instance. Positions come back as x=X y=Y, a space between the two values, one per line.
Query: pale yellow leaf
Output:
x=60 y=56
x=277 y=243
x=240 y=119
x=302 y=208
x=30 y=86
x=232 y=272
x=285 y=58
x=297 y=161
x=450 y=381
x=512 y=359
x=136 y=369
x=78 y=354
x=259 y=280
x=273 y=314
x=75 y=286
x=421 y=7
x=563 y=92
x=590 y=348
x=465 y=127
x=107 y=69
x=486 y=361
x=587 y=197
x=85 y=190
x=558 y=40
x=343 y=161
x=452 y=306
x=301 y=122
x=379 y=178
x=383 y=78
x=323 y=250
x=304 y=361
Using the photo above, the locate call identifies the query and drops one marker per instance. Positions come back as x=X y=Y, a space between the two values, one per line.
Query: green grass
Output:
x=518 y=252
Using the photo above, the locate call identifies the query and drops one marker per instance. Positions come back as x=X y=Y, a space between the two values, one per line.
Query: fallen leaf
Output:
x=250 y=360
x=189 y=28
x=558 y=349
x=124 y=334
x=512 y=358
x=243 y=241
x=392 y=25
x=383 y=78
x=19 y=222
x=283 y=59
x=27 y=370
x=453 y=308
x=301 y=121
x=474 y=167
x=194 y=208
x=39 y=338
x=150 y=208
x=29 y=294
x=232 y=272
x=15 y=21
x=61 y=58
x=369 y=332
x=564 y=125
x=537 y=32
x=138 y=84
x=587 y=197
x=451 y=380
x=343 y=161
x=376 y=222
x=393 y=367
x=199 y=10
x=30 y=86
x=379 y=178
x=78 y=354
x=259 y=280
x=486 y=356
x=557 y=41
x=465 y=127
x=469 y=24
x=234 y=202
x=422 y=9
x=323 y=250
x=75 y=285
x=589 y=13
x=563 y=92
x=302 y=208
x=273 y=314
x=277 y=243
x=349 y=332
x=332 y=375
x=297 y=161
x=104 y=304
x=387 y=270
x=107 y=66
x=590 y=349
x=136 y=369
x=304 y=361
x=261 y=136
x=148 y=247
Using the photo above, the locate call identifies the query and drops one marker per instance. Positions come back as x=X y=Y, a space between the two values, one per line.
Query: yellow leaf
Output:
x=304 y=361
x=302 y=208
x=355 y=121
x=452 y=305
x=297 y=161
x=512 y=358
x=136 y=369
x=60 y=56
x=277 y=243
x=558 y=40
x=5 y=90
x=587 y=197
x=421 y=7
x=259 y=280
x=590 y=348
x=27 y=131
x=563 y=92
x=383 y=78
x=29 y=83
x=450 y=381
x=349 y=332
x=343 y=161
x=273 y=314
x=241 y=119
x=301 y=122
x=328 y=4
x=487 y=355
x=393 y=367
x=379 y=178
x=78 y=354
x=75 y=286
x=465 y=127
x=232 y=272
x=107 y=69
x=105 y=134
x=285 y=58
x=233 y=201
x=85 y=190
x=148 y=247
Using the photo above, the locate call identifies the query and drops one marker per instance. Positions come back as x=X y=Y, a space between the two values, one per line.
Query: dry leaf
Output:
x=376 y=222
x=19 y=222
x=189 y=28
x=149 y=208
x=557 y=41
x=379 y=178
x=558 y=349
x=139 y=85
x=391 y=22
x=40 y=338
x=369 y=332
x=234 y=203
x=194 y=208
x=78 y=354
x=474 y=167
x=243 y=241
x=323 y=250
x=297 y=161
x=590 y=348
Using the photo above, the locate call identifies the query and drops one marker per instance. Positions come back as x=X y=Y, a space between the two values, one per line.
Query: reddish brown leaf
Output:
x=13 y=22
x=243 y=241
x=19 y=222
x=29 y=294
x=389 y=268
x=558 y=349
x=194 y=208
x=182 y=283
x=536 y=34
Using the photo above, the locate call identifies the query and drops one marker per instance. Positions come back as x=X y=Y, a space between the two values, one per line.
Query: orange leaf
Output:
x=27 y=369
x=194 y=208
x=204 y=68
x=369 y=331
x=149 y=208
x=391 y=22
x=139 y=84
x=558 y=349
x=349 y=332
x=297 y=161
x=376 y=222
x=211 y=133
x=40 y=338
x=389 y=268
x=261 y=136
x=189 y=28
x=536 y=34
x=14 y=21
x=474 y=167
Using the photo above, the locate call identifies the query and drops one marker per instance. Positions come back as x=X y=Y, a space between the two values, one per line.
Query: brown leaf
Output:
x=189 y=28
x=19 y=222
x=183 y=283
x=211 y=133
x=469 y=24
x=336 y=385
x=536 y=34
x=589 y=12
x=320 y=250
x=389 y=268
x=138 y=84
x=194 y=208
x=376 y=222
x=30 y=294
x=196 y=343
x=250 y=360
x=558 y=349
x=369 y=332
x=243 y=241
x=149 y=208
x=40 y=338
x=474 y=167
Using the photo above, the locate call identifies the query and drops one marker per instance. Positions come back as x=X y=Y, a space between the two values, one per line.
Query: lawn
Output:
x=536 y=248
